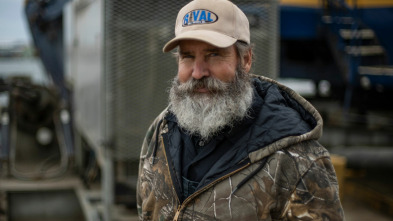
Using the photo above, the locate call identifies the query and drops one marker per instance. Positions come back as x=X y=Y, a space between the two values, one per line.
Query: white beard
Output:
x=205 y=114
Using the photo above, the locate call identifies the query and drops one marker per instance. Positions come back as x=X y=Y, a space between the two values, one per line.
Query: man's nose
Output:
x=200 y=69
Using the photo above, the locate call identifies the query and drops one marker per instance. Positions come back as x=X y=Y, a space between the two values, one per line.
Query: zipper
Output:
x=177 y=214
x=213 y=183
x=192 y=196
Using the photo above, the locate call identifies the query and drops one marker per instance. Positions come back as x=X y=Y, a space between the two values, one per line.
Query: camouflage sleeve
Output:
x=146 y=150
x=316 y=195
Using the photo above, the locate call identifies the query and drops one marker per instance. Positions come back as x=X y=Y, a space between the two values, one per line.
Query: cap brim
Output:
x=210 y=37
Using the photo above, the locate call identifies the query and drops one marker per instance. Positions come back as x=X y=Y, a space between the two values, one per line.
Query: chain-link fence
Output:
x=138 y=73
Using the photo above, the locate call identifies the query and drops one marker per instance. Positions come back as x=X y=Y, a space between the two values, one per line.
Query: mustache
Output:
x=212 y=84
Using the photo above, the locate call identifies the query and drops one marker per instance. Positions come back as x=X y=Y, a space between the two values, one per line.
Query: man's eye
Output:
x=213 y=54
x=186 y=56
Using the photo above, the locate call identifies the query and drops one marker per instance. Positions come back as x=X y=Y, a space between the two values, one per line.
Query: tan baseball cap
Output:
x=217 y=22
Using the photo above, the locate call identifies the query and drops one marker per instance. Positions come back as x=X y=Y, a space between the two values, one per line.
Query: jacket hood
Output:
x=285 y=119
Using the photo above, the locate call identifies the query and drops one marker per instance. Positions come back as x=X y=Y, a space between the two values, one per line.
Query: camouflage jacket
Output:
x=291 y=178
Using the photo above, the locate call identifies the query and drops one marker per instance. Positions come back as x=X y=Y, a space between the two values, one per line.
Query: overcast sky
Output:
x=13 y=25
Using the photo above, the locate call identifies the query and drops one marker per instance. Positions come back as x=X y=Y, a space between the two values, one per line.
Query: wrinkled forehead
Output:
x=195 y=45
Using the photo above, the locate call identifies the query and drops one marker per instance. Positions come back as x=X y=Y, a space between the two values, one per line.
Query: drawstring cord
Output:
x=263 y=162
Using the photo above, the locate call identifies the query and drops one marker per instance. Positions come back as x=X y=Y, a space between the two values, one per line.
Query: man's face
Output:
x=211 y=90
x=198 y=60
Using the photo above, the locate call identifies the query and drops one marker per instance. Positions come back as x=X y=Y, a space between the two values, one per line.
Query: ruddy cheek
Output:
x=183 y=75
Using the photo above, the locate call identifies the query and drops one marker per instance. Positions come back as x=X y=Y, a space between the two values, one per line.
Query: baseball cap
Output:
x=217 y=22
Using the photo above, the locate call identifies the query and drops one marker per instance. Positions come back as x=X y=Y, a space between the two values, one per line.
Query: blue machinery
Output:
x=364 y=36
x=358 y=35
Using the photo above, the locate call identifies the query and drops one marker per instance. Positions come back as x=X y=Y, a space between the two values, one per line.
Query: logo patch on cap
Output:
x=199 y=16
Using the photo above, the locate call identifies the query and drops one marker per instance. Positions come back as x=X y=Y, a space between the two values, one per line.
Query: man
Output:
x=231 y=145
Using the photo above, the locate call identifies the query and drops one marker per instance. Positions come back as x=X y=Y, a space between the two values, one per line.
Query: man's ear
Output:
x=247 y=61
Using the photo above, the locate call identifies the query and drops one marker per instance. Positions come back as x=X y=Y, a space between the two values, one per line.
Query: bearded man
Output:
x=231 y=145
